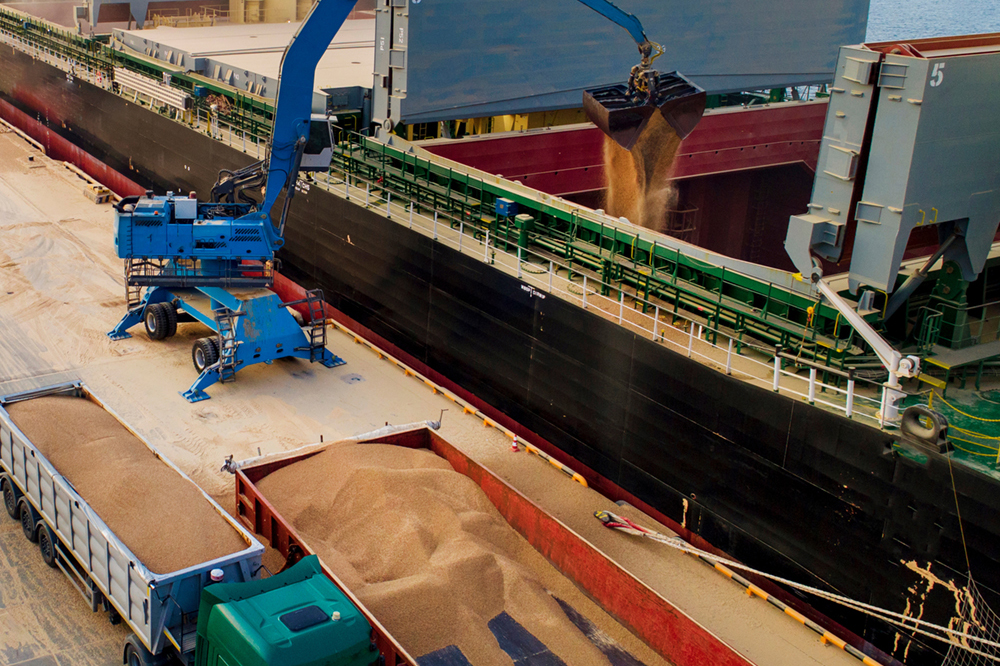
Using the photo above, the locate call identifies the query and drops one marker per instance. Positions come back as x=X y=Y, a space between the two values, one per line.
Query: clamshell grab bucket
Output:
x=623 y=116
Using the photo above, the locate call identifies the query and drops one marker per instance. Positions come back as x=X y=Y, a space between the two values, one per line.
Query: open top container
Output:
x=161 y=609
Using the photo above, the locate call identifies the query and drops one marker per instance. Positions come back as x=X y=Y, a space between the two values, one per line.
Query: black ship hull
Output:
x=776 y=483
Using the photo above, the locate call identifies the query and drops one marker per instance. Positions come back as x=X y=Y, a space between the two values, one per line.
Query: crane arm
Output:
x=894 y=362
x=293 y=103
x=622 y=18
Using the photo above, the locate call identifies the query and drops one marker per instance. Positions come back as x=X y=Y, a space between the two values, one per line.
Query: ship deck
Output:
x=62 y=290
x=243 y=50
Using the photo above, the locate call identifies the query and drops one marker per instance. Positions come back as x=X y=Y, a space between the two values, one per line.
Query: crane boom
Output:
x=622 y=18
x=213 y=261
x=293 y=103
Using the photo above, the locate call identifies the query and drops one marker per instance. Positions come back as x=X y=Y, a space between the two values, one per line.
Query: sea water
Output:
x=914 y=19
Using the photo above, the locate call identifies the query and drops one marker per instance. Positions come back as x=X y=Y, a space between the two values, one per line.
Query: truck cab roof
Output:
x=295 y=618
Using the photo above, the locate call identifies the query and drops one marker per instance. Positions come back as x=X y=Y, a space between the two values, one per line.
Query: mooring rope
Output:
x=623 y=524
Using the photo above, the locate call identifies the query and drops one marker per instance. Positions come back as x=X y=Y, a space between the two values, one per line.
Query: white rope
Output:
x=898 y=619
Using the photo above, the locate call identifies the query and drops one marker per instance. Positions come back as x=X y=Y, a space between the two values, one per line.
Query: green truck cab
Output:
x=295 y=618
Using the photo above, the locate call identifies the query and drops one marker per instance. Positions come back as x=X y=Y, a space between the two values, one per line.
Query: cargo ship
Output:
x=599 y=340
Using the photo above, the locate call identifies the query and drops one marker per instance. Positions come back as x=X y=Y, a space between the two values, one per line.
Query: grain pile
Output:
x=163 y=518
x=638 y=185
x=429 y=555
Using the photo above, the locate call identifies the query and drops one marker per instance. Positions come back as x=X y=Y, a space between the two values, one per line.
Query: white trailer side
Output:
x=161 y=609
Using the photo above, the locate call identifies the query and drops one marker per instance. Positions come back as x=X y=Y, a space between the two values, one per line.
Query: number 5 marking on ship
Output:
x=937 y=74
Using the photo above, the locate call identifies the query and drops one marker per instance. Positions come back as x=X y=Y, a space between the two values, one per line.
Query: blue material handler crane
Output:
x=213 y=262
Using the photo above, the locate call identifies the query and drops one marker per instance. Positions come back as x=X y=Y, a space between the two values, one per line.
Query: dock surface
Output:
x=61 y=290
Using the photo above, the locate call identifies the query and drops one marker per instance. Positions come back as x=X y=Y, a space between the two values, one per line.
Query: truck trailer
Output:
x=663 y=627
x=217 y=612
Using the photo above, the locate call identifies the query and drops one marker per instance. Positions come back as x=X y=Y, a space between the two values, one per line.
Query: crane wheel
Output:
x=171 y=312
x=155 y=319
x=204 y=353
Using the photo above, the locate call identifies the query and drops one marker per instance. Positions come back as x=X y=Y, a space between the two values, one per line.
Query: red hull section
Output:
x=753 y=139
x=60 y=148
x=570 y=161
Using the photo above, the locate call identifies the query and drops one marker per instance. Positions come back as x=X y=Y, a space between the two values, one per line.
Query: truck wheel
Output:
x=171 y=312
x=136 y=654
x=9 y=499
x=47 y=544
x=133 y=657
x=28 y=522
x=155 y=319
x=204 y=353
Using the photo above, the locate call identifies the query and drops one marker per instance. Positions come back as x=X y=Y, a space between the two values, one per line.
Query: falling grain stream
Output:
x=638 y=185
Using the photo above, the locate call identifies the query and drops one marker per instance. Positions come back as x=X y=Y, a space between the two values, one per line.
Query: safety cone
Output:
x=513 y=445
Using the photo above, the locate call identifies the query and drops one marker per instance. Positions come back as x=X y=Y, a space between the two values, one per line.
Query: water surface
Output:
x=913 y=19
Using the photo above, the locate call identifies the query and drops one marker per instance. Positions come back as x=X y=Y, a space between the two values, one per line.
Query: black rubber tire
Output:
x=136 y=654
x=28 y=524
x=9 y=499
x=47 y=546
x=155 y=320
x=171 y=312
x=204 y=353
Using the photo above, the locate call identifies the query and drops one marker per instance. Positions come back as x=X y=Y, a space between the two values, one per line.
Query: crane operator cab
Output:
x=318 y=151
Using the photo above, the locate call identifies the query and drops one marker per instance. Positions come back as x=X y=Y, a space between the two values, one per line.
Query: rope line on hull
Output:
x=953 y=637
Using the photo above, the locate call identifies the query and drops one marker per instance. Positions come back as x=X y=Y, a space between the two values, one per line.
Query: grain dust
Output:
x=163 y=518
x=638 y=181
